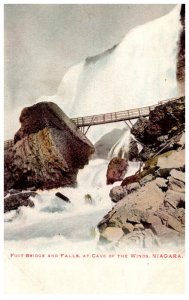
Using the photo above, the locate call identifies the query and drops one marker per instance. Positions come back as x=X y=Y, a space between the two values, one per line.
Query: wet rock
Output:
x=117 y=193
x=13 y=201
x=112 y=234
x=88 y=199
x=63 y=197
x=146 y=179
x=117 y=169
x=133 y=187
x=130 y=179
x=48 y=149
x=133 y=150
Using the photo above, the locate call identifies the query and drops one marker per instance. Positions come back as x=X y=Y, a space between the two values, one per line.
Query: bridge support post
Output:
x=128 y=125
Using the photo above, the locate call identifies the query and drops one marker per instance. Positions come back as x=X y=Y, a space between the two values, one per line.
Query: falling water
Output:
x=139 y=71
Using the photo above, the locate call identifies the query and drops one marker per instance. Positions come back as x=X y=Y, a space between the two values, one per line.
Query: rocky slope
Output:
x=48 y=150
x=150 y=205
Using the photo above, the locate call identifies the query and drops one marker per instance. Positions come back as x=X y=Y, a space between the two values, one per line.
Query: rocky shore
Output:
x=150 y=205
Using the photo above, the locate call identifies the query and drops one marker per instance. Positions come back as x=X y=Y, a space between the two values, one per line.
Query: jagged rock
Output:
x=117 y=169
x=117 y=193
x=176 y=199
x=178 y=175
x=138 y=227
x=133 y=150
x=133 y=187
x=180 y=214
x=48 y=149
x=156 y=225
x=135 y=207
x=112 y=234
x=176 y=160
x=128 y=227
x=130 y=179
x=165 y=119
x=176 y=185
x=13 y=201
x=146 y=179
x=163 y=138
x=180 y=140
x=161 y=183
x=175 y=224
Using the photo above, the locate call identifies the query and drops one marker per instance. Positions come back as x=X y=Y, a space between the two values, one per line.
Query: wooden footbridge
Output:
x=84 y=123
x=126 y=116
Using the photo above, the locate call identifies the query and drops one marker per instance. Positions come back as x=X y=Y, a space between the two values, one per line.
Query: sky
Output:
x=43 y=41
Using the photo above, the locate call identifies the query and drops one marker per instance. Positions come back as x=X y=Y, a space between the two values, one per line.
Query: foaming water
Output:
x=75 y=221
x=140 y=71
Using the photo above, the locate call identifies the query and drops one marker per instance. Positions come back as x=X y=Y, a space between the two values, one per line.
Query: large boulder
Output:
x=117 y=169
x=48 y=149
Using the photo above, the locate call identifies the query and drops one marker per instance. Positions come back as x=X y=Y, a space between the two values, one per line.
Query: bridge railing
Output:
x=118 y=116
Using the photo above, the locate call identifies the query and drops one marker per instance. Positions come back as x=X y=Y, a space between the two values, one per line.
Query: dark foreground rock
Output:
x=63 y=197
x=13 y=201
x=48 y=150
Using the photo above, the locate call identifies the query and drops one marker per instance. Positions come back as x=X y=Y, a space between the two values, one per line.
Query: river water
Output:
x=139 y=71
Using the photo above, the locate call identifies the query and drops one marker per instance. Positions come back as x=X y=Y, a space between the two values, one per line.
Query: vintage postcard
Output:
x=94 y=148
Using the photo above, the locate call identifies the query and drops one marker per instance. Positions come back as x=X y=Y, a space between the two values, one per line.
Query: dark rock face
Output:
x=117 y=169
x=133 y=152
x=181 y=53
x=13 y=201
x=165 y=121
x=48 y=149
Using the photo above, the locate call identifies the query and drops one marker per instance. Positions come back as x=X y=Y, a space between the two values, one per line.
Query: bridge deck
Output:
x=118 y=116
x=111 y=117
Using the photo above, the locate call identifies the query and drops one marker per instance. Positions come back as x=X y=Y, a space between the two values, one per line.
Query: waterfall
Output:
x=139 y=71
